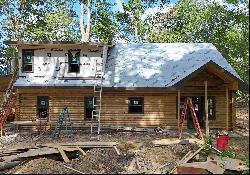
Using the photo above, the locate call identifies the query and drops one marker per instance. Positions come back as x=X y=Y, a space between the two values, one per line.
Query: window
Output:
x=88 y=101
x=211 y=108
x=74 y=60
x=135 y=105
x=28 y=59
x=42 y=106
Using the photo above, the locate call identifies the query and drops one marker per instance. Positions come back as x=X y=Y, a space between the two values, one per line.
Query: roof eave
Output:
x=19 y=43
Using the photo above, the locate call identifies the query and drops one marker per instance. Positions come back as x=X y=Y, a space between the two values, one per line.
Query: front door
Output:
x=198 y=103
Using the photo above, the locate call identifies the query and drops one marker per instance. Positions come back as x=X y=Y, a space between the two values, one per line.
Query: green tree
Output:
x=227 y=28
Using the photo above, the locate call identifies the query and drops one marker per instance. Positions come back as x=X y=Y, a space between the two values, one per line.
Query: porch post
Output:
x=227 y=108
x=178 y=107
x=206 y=110
x=233 y=109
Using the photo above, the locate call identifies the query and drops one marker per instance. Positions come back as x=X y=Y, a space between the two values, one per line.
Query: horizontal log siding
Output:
x=159 y=106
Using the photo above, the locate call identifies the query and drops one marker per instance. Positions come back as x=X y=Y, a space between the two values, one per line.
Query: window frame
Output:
x=39 y=99
x=142 y=105
x=23 y=60
x=78 y=60
x=85 y=107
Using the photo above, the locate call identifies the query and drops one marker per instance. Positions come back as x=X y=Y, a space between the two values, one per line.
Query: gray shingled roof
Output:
x=146 y=65
x=159 y=64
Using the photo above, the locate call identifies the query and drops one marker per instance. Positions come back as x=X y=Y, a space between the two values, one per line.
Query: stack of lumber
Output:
x=12 y=157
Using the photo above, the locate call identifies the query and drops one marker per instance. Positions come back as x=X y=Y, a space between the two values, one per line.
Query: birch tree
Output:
x=85 y=29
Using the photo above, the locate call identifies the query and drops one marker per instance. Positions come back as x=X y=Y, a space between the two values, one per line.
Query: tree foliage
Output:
x=224 y=25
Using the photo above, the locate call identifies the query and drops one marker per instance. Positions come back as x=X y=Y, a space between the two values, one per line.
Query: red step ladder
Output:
x=188 y=104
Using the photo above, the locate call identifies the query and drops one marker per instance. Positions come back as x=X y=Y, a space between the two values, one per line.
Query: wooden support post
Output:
x=206 y=110
x=227 y=108
x=178 y=107
x=233 y=109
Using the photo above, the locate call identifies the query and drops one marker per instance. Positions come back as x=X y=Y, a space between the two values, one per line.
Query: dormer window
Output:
x=28 y=60
x=74 y=60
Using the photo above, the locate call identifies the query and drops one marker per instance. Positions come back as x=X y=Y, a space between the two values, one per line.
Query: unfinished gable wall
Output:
x=56 y=65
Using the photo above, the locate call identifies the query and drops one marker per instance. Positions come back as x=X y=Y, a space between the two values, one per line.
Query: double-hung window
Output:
x=136 y=105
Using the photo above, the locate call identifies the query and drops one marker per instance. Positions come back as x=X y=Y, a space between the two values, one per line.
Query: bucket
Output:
x=222 y=142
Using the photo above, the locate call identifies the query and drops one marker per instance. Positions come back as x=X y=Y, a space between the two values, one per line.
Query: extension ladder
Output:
x=62 y=120
x=7 y=104
x=97 y=98
x=188 y=104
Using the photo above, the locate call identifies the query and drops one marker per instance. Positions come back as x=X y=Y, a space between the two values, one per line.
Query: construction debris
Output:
x=136 y=154
x=228 y=163
x=186 y=158
x=159 y=130
x=199 y=168
x=170 y=141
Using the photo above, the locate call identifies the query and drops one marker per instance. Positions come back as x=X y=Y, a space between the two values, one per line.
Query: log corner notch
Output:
x=206 y=110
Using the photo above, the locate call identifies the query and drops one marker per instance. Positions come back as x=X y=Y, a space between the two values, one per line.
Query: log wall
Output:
x=159 y=106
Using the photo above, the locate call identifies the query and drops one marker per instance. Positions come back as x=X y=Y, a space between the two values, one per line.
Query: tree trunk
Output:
x=85 y=32
x=88 y=21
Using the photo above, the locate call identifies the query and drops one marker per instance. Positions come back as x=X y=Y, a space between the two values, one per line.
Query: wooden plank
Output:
x=31 y=153
x=63 y=154
x=83 y=152
x=206 y=110
x=180 y=162
x=117 y=151
x=74 y=169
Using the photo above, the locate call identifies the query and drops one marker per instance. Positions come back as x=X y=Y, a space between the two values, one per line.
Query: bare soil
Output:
x=150 y=159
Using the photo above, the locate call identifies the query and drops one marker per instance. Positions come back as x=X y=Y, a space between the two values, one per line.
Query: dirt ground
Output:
x=150 y=158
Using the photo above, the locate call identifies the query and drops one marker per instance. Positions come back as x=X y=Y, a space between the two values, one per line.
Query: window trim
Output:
x=32 y=59
x=69 y=64
x=133 y=98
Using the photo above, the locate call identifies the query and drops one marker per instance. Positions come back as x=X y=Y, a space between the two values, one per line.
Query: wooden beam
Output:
x=63 y=154
x=178 y=107
x=206 y=110
x=117 y=151
x=227 y=108
x=83 y=152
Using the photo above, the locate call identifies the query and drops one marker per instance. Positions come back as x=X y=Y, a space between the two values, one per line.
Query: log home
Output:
x=143 y=85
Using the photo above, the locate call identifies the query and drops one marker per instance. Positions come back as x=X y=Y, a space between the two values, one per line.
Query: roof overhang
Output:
x=71 y=43
x=242 y=86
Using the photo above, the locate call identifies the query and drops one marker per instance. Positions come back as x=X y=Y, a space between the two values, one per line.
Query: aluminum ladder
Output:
x=62 y=120
x=97 y=101
x=188 y=104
